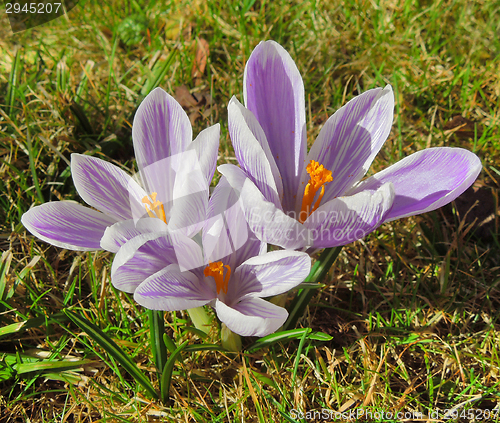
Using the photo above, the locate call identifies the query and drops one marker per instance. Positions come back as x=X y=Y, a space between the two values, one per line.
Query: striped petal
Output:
x=268 y=223
x=106 y=187
x=350 y=140
x=253 y=153
x=347 y=219
x=170 y=289
x=117 y=235
x=274 y=93
x=161 y=129
x=67 y=225
x=426 y=180
x=226 y=235
x=148 y=253
x=270 y=274
x=139 y=258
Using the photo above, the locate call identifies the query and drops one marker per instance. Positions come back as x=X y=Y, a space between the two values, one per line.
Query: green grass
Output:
x=412 y=309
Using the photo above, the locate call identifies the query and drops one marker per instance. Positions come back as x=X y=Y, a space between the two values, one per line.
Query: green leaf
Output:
x=14 y=327
x=309 y=285
x=265 y=379
x=288 y=335
x=113 y=350
x=169 y=343
x=49 y=366
x=166 y=377
x=205 y=347
x=156 y=331
x=67 y=376
x=317 y=274
x=191 y=329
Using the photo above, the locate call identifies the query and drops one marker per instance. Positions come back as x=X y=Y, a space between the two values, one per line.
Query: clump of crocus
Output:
x=228 y=268
x=296 y=199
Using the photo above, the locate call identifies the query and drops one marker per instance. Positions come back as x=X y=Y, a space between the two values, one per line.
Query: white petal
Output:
x=270 y=274
x=346 y=219
x=251 y=317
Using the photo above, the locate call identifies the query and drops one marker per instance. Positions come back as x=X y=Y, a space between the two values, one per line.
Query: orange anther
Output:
x=319 y=177
x=216 y=270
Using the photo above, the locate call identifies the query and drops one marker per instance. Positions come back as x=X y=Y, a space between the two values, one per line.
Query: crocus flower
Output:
x=175 y=173
x=296 y=199
x=228 y=269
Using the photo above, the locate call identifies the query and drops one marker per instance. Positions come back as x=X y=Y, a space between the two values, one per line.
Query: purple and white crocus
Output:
x=174 y=173
x=228 y=268
x=296 y=199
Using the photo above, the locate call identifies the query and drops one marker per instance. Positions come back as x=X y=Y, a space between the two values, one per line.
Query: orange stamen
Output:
x=154 y=208
x=319 y=177
x=216 y=270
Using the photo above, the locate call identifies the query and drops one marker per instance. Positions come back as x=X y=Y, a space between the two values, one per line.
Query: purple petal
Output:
x=106 y=187
x=270 y=274
x=426 y=180
x=347 y=219
x=251 y=317
x=67 y=225
x=148 y=253
x=226 y=235
x=268 y=223
x=161 y=129
x=206 y=146
x=350 y=140
x=274 y=92
x=170 y=289
x=253 y=153
x=117 y=235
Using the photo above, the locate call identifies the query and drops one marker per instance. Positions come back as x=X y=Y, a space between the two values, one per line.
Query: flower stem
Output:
x=201 y=320
x=303 y=296
x=230 y=341
x=156 y=331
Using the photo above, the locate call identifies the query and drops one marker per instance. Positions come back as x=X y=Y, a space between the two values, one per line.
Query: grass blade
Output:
x=13 y=77
x=297 y=358
x=50 y=366
x=32 y=167
x=286 y=336
x=113 y=350
x=158 y=73
x=13 y=328
x=5 y=261
x=317 y=274
x=166 y=377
